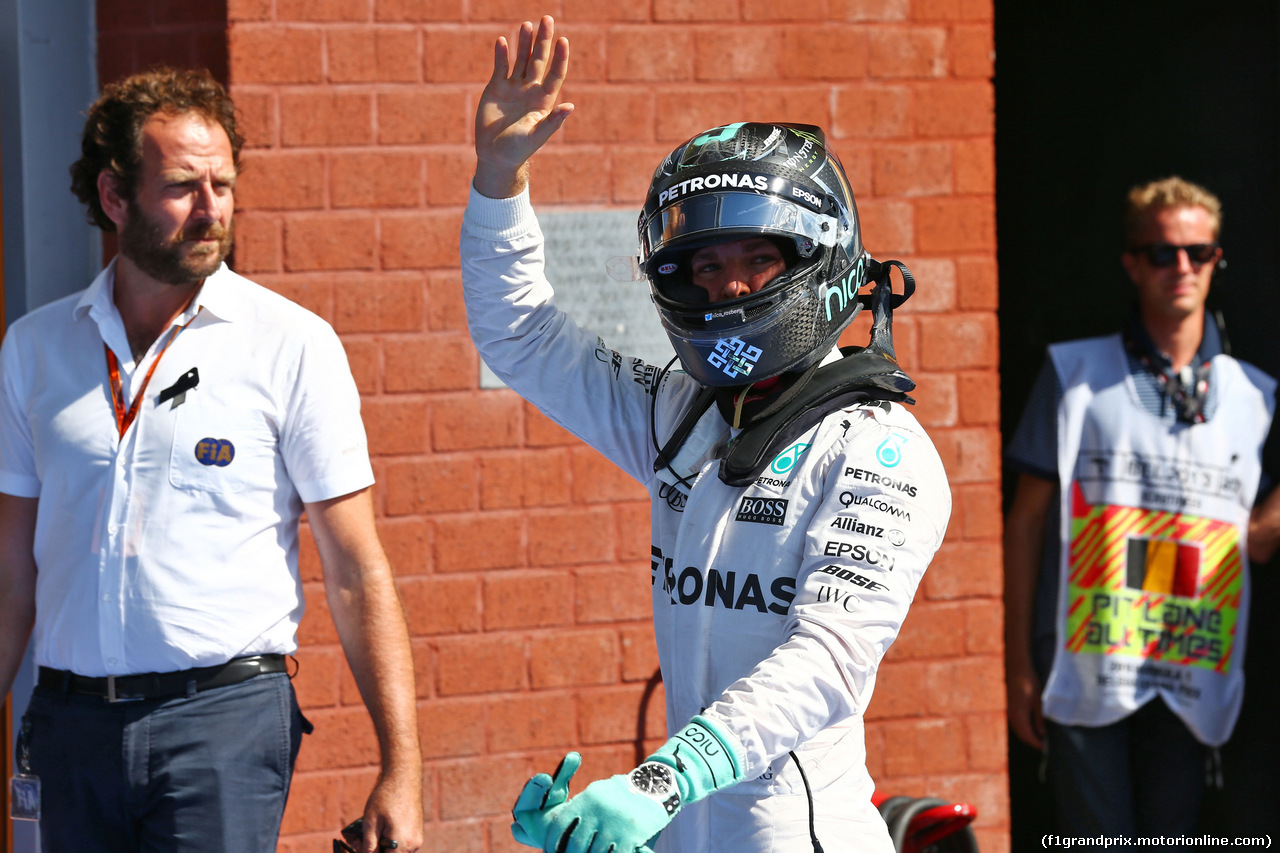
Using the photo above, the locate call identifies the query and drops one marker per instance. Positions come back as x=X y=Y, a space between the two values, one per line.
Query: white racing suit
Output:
x=772 y=604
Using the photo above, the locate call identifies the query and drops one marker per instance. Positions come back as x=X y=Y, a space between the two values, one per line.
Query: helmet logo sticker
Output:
x=729 y=131
x=735 y=357
x=668 y=269
x=889 y=453
x=805 y=154
x=770 y=143
x=846 y=289
x=787 y=459
x=716 y=180
x=215 y=451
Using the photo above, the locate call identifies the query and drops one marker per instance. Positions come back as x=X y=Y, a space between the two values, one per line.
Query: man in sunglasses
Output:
x=1128 y=542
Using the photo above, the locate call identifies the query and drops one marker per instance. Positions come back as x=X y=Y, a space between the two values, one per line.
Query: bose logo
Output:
x=854 y=577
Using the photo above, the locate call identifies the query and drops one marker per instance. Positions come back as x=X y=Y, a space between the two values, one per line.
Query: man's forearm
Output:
x=1023 y=543
x=375 y=640
x=1264 y=528
x=366 y=611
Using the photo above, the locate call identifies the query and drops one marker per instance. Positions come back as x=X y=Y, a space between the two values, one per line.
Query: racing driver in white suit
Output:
x=796 y=502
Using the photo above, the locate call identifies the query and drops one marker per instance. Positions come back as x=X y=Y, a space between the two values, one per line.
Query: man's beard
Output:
x=171 y=260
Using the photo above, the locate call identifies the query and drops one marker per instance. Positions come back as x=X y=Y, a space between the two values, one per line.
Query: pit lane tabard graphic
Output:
x=1152 y=584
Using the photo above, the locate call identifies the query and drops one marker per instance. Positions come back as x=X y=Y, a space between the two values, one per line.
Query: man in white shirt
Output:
x=161 y=434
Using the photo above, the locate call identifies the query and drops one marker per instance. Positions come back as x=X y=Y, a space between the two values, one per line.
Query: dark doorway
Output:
x=1091 y=99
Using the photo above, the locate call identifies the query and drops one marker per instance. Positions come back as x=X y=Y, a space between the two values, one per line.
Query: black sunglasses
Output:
x=1166 y=254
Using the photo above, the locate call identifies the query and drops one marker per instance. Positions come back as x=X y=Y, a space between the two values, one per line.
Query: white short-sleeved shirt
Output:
x=176 y=545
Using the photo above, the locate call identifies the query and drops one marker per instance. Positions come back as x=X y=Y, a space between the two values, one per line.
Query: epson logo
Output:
x=762 y=510
x=859 y=553
x=711 y=182
x=800 y=192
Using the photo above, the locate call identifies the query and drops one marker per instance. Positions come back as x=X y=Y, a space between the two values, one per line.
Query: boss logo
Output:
x=763 y=510
x=675 y=498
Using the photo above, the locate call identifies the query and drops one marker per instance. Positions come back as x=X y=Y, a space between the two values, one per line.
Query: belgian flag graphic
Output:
x=1161 y=566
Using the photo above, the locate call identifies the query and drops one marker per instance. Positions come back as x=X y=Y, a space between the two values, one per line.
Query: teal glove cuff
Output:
x=705 y=756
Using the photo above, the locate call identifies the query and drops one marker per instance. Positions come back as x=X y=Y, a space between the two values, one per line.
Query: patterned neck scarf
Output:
x=1186 y=389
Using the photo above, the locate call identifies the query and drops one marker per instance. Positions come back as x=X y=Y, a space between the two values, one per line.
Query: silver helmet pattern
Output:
x=748 y=180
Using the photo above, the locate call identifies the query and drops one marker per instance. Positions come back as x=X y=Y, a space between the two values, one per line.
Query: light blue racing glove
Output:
x=539 y=794
x=622 y=813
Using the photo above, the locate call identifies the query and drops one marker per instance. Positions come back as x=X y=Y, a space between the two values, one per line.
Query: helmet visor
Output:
x=742 y=212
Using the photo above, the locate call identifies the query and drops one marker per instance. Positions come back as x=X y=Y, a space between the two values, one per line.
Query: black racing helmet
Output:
x=745 y=180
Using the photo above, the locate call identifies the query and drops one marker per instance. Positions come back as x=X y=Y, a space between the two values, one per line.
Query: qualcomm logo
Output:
x=735 y=357
x=787 y=459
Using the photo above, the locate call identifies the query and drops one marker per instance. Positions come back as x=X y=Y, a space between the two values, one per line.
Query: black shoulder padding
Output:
x=865 y=376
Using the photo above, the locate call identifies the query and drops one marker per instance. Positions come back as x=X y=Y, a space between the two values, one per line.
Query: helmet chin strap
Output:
x=882 y=300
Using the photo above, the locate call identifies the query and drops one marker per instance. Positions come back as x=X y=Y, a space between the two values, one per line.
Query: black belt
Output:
x=159 y=685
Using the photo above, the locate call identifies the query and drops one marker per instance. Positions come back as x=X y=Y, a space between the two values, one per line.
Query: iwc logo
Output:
x=656 y=780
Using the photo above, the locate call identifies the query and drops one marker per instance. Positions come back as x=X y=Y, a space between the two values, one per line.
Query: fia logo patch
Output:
x=215 y=451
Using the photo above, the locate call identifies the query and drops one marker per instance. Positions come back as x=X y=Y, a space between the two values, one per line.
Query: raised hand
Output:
x=519 y=109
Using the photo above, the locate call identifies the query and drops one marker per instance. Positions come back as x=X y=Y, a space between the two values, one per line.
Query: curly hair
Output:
x=112 y=137
x=1146 y=200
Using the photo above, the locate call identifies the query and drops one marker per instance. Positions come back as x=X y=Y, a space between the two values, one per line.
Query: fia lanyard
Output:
x=125 y=417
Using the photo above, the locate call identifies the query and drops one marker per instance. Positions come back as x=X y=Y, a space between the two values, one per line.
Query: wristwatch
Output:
x=658 y=782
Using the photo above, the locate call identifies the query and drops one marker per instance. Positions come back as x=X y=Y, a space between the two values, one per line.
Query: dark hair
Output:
x=113 y=128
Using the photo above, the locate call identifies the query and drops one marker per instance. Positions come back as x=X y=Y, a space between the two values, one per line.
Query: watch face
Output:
x=653 y=778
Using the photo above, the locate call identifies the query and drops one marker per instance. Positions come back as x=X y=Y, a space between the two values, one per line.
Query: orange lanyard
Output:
x=125 y=418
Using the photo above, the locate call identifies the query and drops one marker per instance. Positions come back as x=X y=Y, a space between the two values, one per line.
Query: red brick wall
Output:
x=522 y=555
x=134 y=35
